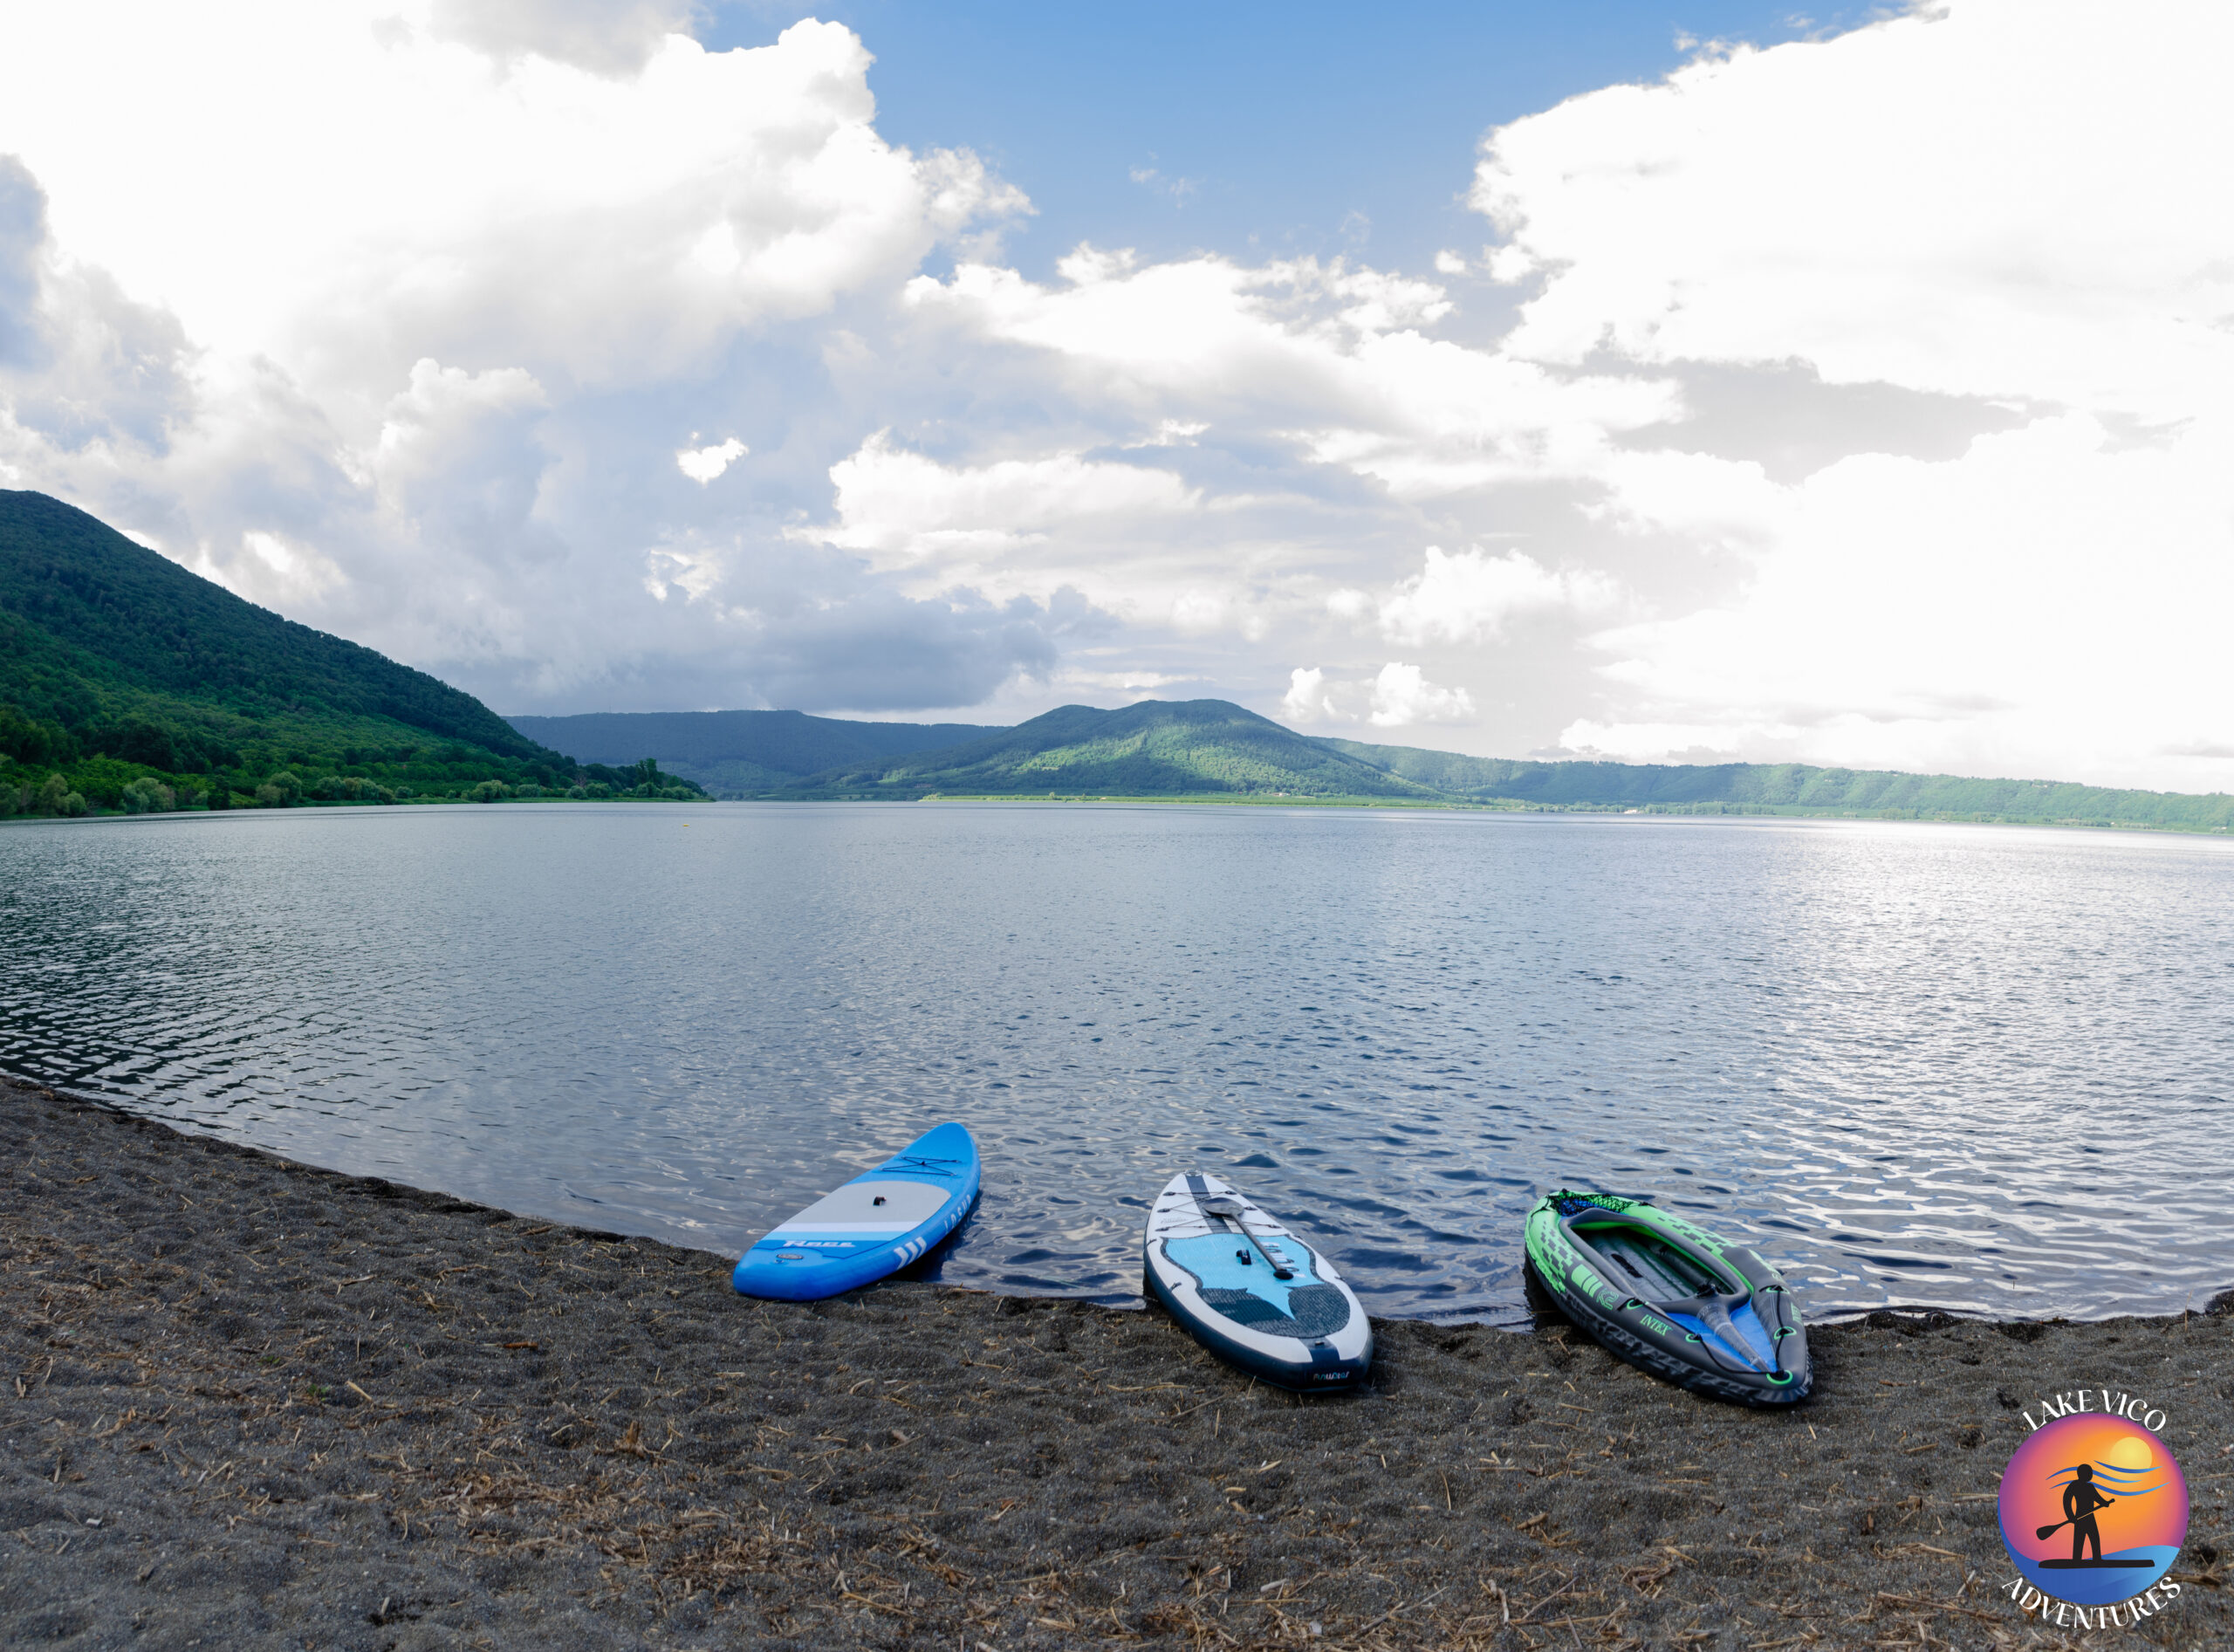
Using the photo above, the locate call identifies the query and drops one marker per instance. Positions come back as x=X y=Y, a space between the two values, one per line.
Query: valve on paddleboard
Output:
x=879 y=1222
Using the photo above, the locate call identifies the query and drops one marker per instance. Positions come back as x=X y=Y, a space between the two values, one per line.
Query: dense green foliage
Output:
x=747 y=752
x=1793 y=788
x=1156 y=748
x=127 y=682
x=88 y=611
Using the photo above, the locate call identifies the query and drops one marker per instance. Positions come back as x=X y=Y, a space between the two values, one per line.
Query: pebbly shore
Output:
x=251 y=1404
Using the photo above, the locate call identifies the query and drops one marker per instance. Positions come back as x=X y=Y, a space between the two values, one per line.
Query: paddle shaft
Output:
x=1222 y=1208
x=1280 y=1269
x=2045 y=1530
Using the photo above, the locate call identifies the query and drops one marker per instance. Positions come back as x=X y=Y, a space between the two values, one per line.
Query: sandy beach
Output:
x=251 y=1404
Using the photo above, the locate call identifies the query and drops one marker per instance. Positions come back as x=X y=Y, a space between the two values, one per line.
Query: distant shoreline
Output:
x=1703 y=811
x=1413 y=806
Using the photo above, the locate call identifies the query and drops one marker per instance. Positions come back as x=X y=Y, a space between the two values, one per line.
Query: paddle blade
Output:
x=2045 y=1530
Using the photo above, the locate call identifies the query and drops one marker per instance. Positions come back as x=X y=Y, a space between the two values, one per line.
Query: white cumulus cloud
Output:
x=1913 y=202
x=1306 y=700
x=1864 y=400
x=1470 y=595
x=2036 y=598
x=410 y=288
x=905 y=507
x=706 y=464
x=1401 y=694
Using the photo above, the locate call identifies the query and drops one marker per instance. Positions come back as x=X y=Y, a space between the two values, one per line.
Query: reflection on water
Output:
x=1974 y=1067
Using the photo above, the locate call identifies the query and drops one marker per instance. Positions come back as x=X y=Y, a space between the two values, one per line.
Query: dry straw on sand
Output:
x=248 y=1404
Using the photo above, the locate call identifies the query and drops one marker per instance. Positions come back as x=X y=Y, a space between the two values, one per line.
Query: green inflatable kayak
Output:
x=1669 y=1297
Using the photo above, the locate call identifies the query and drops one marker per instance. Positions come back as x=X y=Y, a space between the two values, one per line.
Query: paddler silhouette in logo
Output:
x=2080 y=1499
x=2076 y=1472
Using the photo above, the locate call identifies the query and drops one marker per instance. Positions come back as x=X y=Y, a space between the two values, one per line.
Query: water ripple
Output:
x=1979 y=1067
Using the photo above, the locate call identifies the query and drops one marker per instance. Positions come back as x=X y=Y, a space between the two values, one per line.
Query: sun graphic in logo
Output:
x=2094 y=1509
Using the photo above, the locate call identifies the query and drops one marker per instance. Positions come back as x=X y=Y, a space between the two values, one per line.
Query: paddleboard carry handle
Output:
x=1229 y=1210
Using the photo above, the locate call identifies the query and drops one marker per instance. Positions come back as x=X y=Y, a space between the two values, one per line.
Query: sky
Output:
x=1659 y=382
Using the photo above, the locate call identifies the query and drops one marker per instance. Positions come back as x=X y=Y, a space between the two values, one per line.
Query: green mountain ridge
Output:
x=1214 y=749
x=1154 y=748
x=741 y=751
x=127 y=681
x=1797 y=787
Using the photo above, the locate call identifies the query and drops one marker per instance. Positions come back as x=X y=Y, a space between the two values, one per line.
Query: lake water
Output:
x=1981 y=1067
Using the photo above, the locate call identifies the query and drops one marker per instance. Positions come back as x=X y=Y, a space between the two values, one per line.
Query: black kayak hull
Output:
x=1770 y=1368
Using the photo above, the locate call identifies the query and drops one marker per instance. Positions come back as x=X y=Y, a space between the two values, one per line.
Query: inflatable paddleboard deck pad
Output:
x=1251 y=1292
x=880 y=1221
x=1670 y=1297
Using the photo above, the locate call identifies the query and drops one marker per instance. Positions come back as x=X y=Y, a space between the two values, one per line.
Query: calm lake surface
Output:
x=1981 y=1067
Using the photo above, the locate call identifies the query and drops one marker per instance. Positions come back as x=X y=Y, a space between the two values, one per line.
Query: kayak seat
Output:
x=1666 y=1273
x=1693 y=1308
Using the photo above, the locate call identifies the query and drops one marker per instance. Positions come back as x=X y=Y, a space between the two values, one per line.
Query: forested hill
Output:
x=1791 y=787
x=1214 y=749
x=118 y=666
x=127 y=681
x=742 y=751
x=1158 y=748
x=95 y=618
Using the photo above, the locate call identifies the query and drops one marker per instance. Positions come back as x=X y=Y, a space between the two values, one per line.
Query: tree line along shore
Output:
x=98 y=783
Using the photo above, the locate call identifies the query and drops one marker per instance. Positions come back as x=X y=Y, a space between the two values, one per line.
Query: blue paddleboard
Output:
x=881 y=1220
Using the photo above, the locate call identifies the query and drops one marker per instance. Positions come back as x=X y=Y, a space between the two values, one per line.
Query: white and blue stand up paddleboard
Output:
x=880 y=1221
x=1252 y=1292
